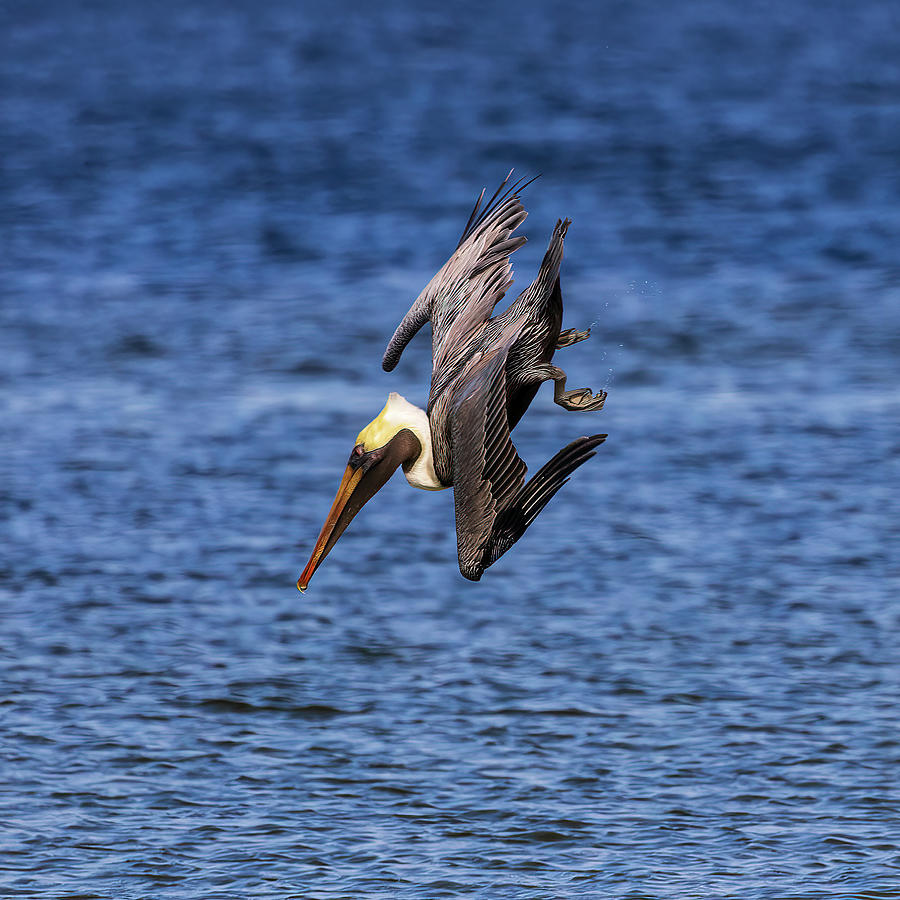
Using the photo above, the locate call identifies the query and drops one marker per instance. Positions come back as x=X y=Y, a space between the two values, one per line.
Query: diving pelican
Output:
x=485 y=373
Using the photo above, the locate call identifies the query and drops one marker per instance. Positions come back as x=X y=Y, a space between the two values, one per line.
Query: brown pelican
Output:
x=485 y=373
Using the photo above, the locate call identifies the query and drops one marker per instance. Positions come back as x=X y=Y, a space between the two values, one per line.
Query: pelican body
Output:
x=486 y=371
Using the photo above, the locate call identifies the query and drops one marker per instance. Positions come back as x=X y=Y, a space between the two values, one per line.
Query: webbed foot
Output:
x=571 y=336
x=581 y=400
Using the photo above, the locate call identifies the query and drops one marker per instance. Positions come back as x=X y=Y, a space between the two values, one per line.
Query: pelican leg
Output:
x=571 y=336
x=580 y=399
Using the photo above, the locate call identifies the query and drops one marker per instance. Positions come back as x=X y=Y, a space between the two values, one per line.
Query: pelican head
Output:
x=398 y=436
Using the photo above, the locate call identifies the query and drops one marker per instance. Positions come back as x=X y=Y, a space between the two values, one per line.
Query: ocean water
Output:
x=683 y=682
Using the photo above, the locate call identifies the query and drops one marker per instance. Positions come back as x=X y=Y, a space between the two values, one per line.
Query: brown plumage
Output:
x=485 y=373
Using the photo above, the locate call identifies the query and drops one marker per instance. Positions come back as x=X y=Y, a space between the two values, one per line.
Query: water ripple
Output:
x=681 y=683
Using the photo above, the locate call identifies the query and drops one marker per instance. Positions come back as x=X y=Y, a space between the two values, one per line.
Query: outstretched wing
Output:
x=487 y=471
x=472 y=281
x=494 y=505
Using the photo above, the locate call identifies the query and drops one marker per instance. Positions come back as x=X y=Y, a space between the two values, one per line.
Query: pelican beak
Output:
x=338 y=519
x=363 y=478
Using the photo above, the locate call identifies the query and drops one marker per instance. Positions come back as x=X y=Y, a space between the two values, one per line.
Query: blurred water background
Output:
x=683 y=682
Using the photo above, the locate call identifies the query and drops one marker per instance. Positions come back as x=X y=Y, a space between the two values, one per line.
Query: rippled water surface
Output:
x=682 y=683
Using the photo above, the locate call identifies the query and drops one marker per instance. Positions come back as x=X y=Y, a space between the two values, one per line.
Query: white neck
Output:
x=421 y=473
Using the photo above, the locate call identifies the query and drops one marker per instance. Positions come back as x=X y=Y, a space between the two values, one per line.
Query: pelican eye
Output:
x=357 y=455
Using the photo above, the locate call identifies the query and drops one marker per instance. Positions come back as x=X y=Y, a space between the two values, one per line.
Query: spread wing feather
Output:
x=515 y=518
x=494 y=505
x=487 y=471
x=472 y=281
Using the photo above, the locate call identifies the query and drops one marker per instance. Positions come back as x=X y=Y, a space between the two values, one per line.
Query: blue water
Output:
x=683 y=682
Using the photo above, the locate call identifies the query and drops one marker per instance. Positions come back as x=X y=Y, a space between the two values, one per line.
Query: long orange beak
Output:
x=327 y=536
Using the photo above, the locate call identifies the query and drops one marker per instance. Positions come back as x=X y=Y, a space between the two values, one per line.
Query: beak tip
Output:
x=334 y=526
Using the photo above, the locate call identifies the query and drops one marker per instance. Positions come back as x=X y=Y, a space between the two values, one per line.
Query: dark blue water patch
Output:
x=681 y=683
